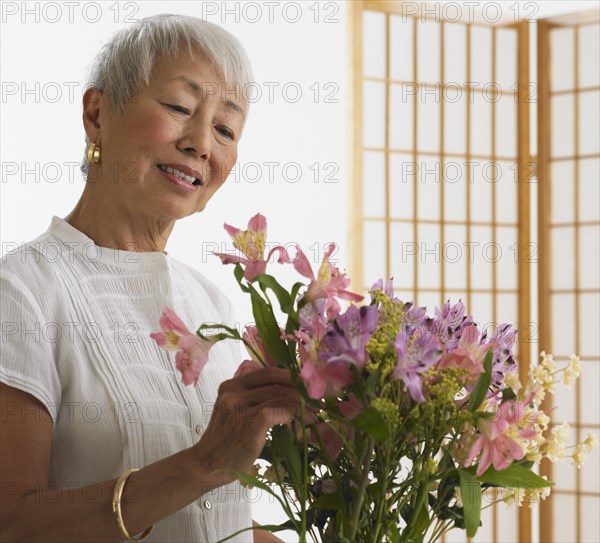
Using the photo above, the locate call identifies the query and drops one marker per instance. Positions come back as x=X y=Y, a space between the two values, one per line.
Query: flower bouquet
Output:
x=408 y=422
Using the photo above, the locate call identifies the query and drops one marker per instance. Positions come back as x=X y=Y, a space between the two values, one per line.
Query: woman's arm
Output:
x=33 y=512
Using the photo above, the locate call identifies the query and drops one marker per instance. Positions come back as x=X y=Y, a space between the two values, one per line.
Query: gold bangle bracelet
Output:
x=116 y=507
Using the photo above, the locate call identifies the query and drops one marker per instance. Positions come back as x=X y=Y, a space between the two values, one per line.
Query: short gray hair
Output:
x=124 y=65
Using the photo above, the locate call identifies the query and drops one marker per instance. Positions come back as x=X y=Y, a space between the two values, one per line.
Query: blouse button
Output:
x=198 y=428
x=207 y=504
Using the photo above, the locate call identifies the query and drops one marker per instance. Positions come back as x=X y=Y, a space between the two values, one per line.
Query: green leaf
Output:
x=238 y=272
x=330 y=501
x=284 y=447
x=373 y=381
x=268 y=328
x=285 y=301
x=470 y=491
x=513 y=476
x=373 y=423
x=483 y=383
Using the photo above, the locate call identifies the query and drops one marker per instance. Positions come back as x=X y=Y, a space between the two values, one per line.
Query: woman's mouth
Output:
x=180 y=175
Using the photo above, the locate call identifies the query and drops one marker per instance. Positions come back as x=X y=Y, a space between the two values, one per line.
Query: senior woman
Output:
x=100 y=439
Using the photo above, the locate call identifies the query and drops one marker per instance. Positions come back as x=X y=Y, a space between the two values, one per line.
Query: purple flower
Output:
x=414 y=357
x=503 y=339
x=312 y=318
x=414 y=316
x=347 y=336
x=388 y=290
x=448 y=324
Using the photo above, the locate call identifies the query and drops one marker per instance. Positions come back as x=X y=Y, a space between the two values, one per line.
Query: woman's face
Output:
x=185 y=122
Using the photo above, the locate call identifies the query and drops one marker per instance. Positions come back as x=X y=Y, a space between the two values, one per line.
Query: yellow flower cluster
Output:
x=388 y=410
x=380 y=346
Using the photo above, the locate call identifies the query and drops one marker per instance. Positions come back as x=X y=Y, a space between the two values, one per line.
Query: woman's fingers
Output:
x=266 y=377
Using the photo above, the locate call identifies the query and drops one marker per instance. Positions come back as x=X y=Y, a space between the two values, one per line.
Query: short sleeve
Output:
x=26 y=357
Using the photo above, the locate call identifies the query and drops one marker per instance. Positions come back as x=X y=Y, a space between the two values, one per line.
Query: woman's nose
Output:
x=197 y=141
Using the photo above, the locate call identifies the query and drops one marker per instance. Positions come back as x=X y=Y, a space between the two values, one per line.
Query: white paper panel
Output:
x=481 y=171
x=506 y=126
x=563 y=323
x=588 y=400
x=404 y=253
x=428 y=187
x=507 y=259
x=455 y=256
x=373 y=44
x=562 y=174
x=401 y=48
x=429 y=256
x=455 y=118
x=589 y=56
x=589 y=257
x=401 y=116
x=589 y=311
x=481 y=56
x=374 y=251
x=479 y=257
x=564 y=518
x=455 y=47
x=590 y=519
x=563 y=136
x=589 y=123
x=563 y=257
x=481 y=122
x=506 y=58
x=374 y=114
x=589 y=189
x=563 y=55
x=373 y=184
x=455 y=189
x=428 y=118
x=481 y=309
x=506 y=192
x=428 y=51
x=591 y=481
x=402 y=178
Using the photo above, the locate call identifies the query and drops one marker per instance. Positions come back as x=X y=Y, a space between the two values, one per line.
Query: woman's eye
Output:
x=226 y=132
x=179 y=109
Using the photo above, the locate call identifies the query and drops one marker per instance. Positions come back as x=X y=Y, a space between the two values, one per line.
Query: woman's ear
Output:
x=91 y=114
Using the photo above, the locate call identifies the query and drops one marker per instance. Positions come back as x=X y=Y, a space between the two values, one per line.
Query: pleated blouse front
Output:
x=76 y=324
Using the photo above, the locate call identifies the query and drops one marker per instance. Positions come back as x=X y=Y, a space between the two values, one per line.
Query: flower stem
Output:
x=362 y=488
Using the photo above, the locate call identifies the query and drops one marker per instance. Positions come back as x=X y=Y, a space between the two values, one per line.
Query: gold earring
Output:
x=93 y=153
x=201 y=209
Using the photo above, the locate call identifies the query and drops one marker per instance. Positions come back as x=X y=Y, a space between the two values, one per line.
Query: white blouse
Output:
x=76 y=321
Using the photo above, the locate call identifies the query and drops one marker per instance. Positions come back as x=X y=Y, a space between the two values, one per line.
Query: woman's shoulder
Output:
x=192 y=278
x=30 y=265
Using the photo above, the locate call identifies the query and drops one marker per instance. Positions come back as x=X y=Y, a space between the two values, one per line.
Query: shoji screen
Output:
x=569 y=228
x=442 y=175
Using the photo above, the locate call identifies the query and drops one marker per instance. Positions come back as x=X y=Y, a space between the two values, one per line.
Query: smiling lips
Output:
x=182 y=172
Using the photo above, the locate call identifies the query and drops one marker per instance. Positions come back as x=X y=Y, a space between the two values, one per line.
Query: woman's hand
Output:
x=246 y=408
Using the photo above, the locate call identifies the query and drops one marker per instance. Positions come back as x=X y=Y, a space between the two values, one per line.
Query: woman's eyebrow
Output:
x=208 y=89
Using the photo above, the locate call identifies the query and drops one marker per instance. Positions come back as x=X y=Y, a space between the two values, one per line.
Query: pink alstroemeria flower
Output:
x=252 y=336
x=322 y=379
x=328 y=284
x=251 y=244
x=496 y=447
x=192 y=351
x=468 y=355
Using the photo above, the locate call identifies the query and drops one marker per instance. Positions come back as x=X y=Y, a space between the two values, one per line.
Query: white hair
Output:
x=124 y=65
